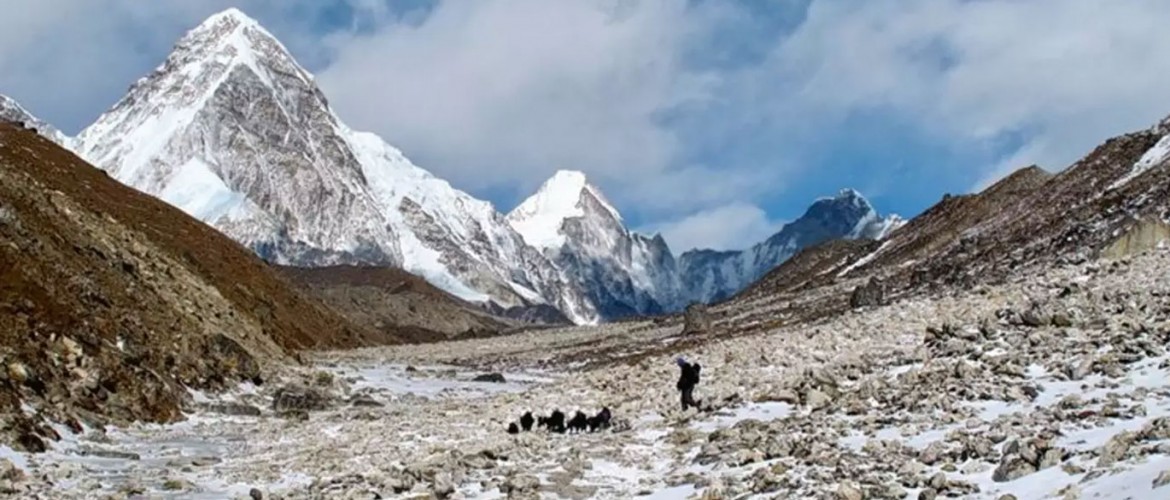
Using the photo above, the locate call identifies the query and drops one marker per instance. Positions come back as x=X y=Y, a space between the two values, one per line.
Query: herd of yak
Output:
x=556 y=422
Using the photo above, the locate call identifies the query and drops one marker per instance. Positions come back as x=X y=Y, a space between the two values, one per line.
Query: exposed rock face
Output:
x=709 y=276
x=1142 y=236
x=873 y=293
x=696 y=319
x=627 y=274
x=621 y=273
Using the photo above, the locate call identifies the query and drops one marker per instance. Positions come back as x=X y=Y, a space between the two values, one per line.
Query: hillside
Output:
x=1116 y=198
x=113 y=302
x=396 y=302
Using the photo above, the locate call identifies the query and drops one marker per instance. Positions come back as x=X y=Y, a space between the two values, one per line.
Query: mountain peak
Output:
x=227 y=37
x=230 y=15
x=563 y=196
x=228 y=49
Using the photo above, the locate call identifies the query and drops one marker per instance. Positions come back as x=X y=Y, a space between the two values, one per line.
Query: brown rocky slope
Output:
x=397 y=302
x=112 y=302
x=1029 y=220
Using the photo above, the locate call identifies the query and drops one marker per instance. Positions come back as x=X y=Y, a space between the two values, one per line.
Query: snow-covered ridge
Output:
x=12 y=111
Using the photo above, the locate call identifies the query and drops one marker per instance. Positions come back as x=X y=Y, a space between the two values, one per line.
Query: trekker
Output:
x=687 y=381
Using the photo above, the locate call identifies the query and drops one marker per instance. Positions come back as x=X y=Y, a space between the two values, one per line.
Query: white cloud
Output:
x=501 y=93
x=1062 y=75
x=728 y=227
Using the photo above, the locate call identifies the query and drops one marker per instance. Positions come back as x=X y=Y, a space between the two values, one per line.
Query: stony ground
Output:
x=1052 y=386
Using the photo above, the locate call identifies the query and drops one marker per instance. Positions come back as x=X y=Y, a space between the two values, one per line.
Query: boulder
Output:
x=872 y=293
x=1011 y=468
x=234 y=409
x=365 y=400
x=696 y=319
x=490 y=377
x=1162 y=480
x=299 y=398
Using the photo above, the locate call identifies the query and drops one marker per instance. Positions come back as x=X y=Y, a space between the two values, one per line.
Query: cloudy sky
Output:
x=711 y=121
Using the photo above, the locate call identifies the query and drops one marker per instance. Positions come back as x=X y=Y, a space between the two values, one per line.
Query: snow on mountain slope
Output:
x=230 y=103
x=538 y=219
x=450 y=235
x=231 y=129
x=622 y=273
x=625 y=273
x=12 y=111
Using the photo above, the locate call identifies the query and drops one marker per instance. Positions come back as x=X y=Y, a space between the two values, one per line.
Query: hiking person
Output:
x=687 y=381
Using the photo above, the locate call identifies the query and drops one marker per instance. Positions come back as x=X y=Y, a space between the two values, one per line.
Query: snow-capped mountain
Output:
x=12 y=111
x=231 y=129
x=621 y=273
x=710 y=276
x=626 y=273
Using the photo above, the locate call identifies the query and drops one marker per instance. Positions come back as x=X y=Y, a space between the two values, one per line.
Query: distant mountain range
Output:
x=234 y=132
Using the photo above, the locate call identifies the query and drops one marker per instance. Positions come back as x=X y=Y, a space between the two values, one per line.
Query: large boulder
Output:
x=696 y=319
x=872 y=293
x=490 y=377
x=294 y=398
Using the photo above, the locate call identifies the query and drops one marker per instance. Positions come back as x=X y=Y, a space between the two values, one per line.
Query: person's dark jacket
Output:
x=689 y=377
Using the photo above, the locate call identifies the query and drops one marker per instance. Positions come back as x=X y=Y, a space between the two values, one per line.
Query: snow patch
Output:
x=864 y=260
x=1153 y=157
x=764 y=412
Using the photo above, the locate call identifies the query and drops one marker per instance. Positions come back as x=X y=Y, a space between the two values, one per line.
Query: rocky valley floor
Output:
x=1052 y=386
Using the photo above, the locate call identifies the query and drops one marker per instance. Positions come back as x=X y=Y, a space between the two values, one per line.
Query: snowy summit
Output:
x=540 y=217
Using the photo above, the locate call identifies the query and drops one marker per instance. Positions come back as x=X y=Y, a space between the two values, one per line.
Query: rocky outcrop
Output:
x=696 y=319
x=873 y=293
x=1142 y=236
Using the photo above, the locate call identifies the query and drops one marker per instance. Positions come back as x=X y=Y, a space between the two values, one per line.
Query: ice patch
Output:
x=673 y=493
